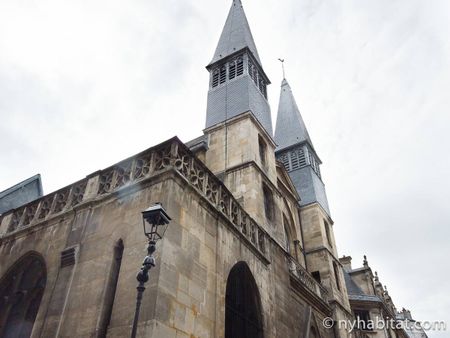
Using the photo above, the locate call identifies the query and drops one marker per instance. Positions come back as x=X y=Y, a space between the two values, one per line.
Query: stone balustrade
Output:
x=170 y=155
x=306 y=279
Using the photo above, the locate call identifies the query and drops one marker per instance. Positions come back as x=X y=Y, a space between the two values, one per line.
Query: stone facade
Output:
x=209 y=233
x=373 y=308
x=241 y=253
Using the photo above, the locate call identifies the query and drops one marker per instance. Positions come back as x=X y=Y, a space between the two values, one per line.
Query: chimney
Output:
x=346 y=261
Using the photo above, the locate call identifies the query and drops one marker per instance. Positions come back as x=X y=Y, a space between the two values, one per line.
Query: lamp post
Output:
x=155 y=222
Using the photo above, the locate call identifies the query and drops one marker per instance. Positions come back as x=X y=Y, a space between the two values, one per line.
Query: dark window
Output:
x=111 y=286
x=268 y=203
x=316 y=276
x=287 y=234
x=328 y=233
x=21 y=291
x=291 y=243
x=313 y=333
x=336 y=276
x=242 y=304
x=363 y=320
x=262 y=150
x=215 y=78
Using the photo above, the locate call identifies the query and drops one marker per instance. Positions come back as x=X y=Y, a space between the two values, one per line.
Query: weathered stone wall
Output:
x=246 y=174
x=48 y=241
x=235 y=142
x=185 y=296
x=322 y=257
x=196 y=256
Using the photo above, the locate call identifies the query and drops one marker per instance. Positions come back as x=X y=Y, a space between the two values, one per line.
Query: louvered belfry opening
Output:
x=238 y=83
x=21 y=291
x=235 y=67
x=243 y=317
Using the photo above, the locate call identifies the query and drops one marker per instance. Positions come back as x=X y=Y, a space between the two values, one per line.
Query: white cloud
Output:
x=85 y=84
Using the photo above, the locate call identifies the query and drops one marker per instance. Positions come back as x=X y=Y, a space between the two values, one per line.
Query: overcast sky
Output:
x=84 y=84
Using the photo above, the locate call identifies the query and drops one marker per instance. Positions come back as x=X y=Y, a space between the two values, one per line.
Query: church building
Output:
x=249 y=251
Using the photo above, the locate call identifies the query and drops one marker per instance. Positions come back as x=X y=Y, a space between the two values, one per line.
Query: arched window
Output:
x=21 y=291
x=292 y=242
x=110 y=291
x=288 y=235
x=336 y=276
x=243 y=317
x=328 y=233
x=268 y=203
x=262 y=150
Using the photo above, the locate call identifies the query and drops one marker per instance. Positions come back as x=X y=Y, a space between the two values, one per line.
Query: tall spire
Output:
x=238 y=83
x=295 y=150
x=236 y=34
x=290 y=128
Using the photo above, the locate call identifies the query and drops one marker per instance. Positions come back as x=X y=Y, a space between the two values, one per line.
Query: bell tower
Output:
x=238 y=83
x=241 y=149
x=296 y=151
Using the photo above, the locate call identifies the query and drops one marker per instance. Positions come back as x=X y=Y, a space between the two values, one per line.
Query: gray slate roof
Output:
x=21 y=193
x=352 y=288
x=197 y=143
x=355 y=292
x=236 y=34
x=290 y=128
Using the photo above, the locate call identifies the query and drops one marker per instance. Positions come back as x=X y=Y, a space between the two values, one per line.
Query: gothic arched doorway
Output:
x=21 y=291
x=243 y=317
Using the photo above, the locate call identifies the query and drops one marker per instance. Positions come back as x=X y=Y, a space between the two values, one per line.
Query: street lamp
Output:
x=155 y=222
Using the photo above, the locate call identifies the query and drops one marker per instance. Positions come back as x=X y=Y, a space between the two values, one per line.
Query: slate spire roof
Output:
x=236 y=34
x=290 y=128
x=355 y=292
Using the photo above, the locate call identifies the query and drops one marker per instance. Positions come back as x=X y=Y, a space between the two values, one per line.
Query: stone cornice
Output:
x=129 y=175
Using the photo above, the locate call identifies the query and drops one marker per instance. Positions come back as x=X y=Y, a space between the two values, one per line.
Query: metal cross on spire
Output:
x=282 y=65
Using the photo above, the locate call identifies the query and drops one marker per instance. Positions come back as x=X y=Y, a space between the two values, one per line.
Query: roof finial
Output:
x=282 y=65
